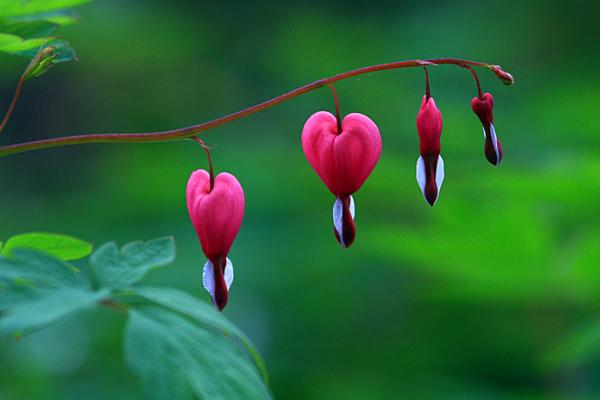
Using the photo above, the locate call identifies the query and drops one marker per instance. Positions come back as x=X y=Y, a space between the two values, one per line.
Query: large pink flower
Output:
x=484 y=108
x=430 y=165
x=343 y=160
x=217 y=215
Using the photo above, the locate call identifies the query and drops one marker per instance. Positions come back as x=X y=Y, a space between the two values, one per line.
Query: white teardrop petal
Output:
x=338 y=215
x=439 y=174
x=228 y=273
x=208 y=279
x=421 y=177
x=495 y=142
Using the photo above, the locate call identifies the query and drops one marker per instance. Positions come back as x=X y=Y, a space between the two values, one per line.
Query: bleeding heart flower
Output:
x=343 y=160
x=217 y=215
x=484 y=108
x=430 y=165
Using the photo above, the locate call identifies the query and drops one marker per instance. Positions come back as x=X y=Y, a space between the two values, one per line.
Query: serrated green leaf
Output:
x=60 y=246
x=14 y=8
x=203 y=313
x=120 y=269
x=172 y=355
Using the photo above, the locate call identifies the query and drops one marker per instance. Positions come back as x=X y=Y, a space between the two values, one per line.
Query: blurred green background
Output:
x=492 y=294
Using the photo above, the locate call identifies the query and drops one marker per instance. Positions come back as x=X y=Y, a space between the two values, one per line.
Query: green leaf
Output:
x=60 y=246
x=12 y=294
x=13 y=44
x=40 y=63
x=120 y=269
x=203 y=313
x=176 y=359
x=39 y=269
x=30 y=30
x=39 y=290
x=61 y=51
x=55 y=51
x=14 y=8
x=43 y=307
x=60 y=17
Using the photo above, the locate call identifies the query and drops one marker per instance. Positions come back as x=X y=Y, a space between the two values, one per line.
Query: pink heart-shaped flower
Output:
x=217 y=215
x=343 y=160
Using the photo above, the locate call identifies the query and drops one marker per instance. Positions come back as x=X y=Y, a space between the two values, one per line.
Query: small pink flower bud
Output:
x=484 y=108
x=343 y=160
x=430 y=165
x=217 y=215
x=504 y=76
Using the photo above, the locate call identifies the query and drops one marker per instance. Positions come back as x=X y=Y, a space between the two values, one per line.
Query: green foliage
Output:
x=189 y=359
x=40 y=290
x=28 y=8
x=31 y=28
x=189 y=306
x=60 y=246
x=16 y=45
x=121 y=268
x=40 y=63
x=180 y=347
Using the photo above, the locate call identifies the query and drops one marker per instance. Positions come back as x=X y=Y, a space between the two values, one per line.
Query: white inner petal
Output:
x=439 y=174
x=495 y=142
x=228 y=273
x=421 y=177
x=338 y=216
x=208 y=279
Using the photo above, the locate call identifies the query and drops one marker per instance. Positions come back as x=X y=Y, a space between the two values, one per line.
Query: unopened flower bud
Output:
x=484 y=108
x=430 y=165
